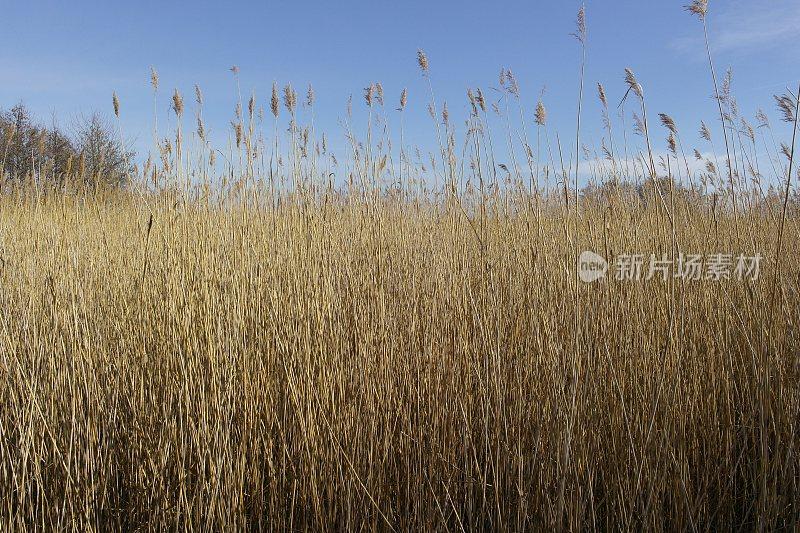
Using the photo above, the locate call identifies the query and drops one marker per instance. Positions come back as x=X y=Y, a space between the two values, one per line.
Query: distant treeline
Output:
x=91 y=152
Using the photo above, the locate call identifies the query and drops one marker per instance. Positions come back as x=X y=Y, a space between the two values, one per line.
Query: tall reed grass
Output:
x=269 y=335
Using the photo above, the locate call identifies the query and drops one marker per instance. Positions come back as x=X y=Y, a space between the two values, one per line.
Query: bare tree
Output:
x=30 y=151
x=105 y=159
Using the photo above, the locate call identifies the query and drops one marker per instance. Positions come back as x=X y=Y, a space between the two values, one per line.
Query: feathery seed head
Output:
x=541 y=114
x=403 y=98
x=668 y=123
x=310 y=96
x=368 y=93
x=237 y=130
x=762 y=119
x=748 y=130
x=787 y=105
x=274 y=103
x=705 y=133
x=154 y=78
x=115 y=101
x=422 y=59
x=725 y=90
x=601 y=92
x=479 y=98
x=289 y=98
x=471 y=98
x=698 y=7
x=177 y=103
x=580 y=26
x=513 y=86
x=201 y=130
x=379 y=93
x=633 y=85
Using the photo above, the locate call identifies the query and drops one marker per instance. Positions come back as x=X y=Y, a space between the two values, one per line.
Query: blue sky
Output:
x=66 y=58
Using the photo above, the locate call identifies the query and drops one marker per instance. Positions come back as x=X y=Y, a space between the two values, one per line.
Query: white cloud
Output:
x=746 y=25
x=635 y=165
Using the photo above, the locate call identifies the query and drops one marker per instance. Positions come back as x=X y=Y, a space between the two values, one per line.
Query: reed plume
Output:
x=422 y=60
x=177 y=103
x=541 y=114
x=274 y=103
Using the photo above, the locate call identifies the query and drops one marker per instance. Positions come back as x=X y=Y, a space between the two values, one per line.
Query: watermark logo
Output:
x=591 y=266
x=689 y=267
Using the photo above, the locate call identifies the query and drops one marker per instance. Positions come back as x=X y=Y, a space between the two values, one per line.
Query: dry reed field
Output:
x=260 y=336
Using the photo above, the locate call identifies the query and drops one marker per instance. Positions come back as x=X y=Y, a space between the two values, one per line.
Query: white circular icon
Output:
x=591 y=266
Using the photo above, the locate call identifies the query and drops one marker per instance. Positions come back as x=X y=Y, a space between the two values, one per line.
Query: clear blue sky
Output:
x=67 y=57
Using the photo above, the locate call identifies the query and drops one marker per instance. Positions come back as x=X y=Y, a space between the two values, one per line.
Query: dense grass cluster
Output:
x=352 y=365
x=265 y=336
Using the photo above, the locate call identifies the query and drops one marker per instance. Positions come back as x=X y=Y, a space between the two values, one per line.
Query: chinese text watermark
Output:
x=690 y=267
